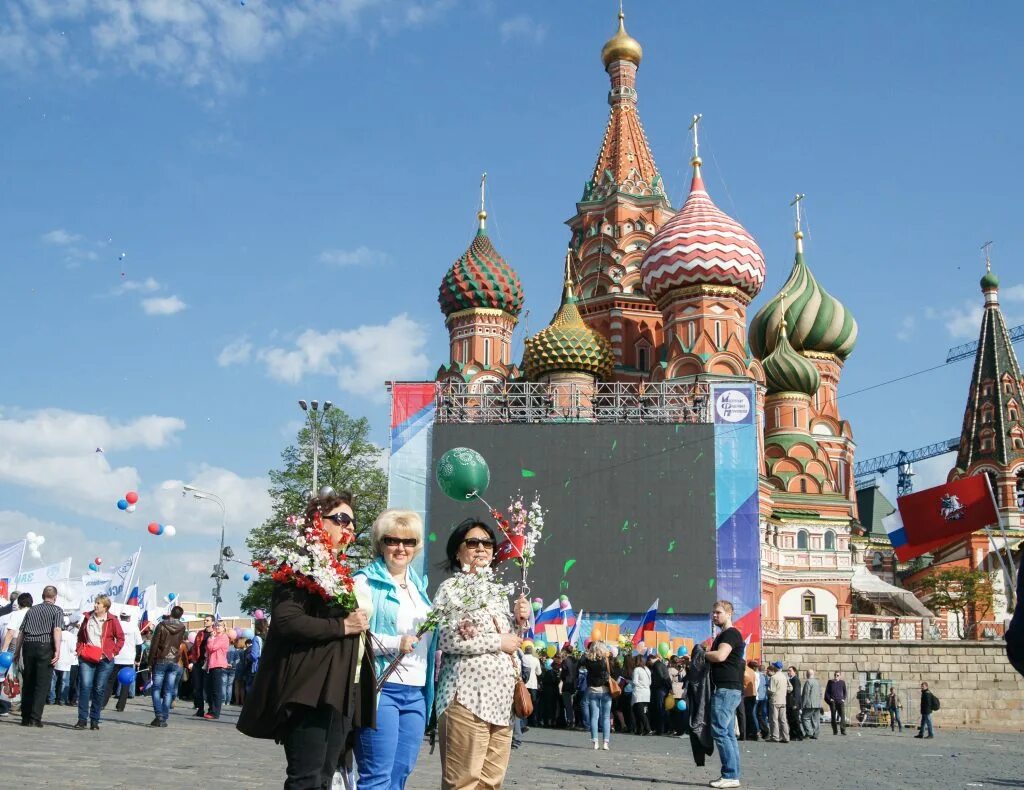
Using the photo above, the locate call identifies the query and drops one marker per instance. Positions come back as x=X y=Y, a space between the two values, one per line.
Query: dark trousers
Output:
x=198 y=677
x=313 y=747
x=741 y=720
x=838 y=717
x=749 y=705
x=658 y=718
x=35 y=679
x=796 y=728
x=73 y=685
x=215 y=690
x=568 y=710
x=643 y=726
x=534 y=719
x=122 y=694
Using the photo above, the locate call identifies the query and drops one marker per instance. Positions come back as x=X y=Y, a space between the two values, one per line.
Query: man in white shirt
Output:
x=531 y=662
x=15 y=621
x=127 y=657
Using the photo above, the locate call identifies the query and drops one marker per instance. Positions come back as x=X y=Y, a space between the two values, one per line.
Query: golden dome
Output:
x=622 y=46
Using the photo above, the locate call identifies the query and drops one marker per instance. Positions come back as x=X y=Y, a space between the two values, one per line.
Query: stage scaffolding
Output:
x=611 y=402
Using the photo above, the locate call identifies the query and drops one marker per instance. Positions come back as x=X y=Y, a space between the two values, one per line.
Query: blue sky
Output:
x=289 y=182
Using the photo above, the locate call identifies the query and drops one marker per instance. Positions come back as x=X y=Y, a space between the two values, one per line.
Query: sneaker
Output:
x=595 y=744
x=81 y=725
x=163 y=722
x=94 y=725
x=919 y=735
x=723 y=782
x=605 y=746
x=155 y=723
x=5 y=713
x=211 y=717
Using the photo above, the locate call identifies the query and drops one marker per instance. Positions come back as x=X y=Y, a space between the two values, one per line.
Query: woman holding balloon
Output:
x=99 y=640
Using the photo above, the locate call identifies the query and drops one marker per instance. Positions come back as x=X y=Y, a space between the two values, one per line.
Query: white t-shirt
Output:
x=412 y=612
x=14 y=626
x=132 y=639
x=67 y=657
x=531 y=661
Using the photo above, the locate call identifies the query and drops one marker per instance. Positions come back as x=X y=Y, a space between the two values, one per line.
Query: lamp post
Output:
x=224 y=551
x=315 y=418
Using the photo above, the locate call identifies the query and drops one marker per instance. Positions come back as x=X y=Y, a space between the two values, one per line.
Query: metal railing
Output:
x=858 y=627
x=605 y=402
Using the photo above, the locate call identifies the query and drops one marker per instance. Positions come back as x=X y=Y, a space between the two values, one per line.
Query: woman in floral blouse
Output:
x=479 y=668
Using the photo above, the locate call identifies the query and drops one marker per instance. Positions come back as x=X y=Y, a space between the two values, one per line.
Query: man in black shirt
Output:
x=568 y=677
x=39 y=647
x=726 y=659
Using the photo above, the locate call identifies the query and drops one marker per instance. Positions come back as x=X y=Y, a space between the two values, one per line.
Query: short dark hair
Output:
x=49 y=593
x=177 y=612
x=458 y=535
x=248 y=642
x=24 y=600
x=325 y=504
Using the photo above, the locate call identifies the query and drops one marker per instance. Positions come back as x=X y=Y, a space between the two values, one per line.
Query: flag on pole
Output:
x=133 y=597
x=148 y=600
x=933 y=518
x=647 y=622
x=551 y=615
x=532 y=626
x=576 y=632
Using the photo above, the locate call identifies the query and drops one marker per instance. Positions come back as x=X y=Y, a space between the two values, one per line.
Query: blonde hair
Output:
x=598 y=650
x=104 y=600
x=394 y=520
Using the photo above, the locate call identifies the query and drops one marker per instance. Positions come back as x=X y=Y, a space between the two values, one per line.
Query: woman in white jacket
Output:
x=641 y=697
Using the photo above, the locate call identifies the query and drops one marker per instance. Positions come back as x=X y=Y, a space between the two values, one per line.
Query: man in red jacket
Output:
x=197 y=655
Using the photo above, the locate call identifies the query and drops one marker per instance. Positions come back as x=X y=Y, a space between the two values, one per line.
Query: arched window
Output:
x=830 y=540
x=642 y=361
x=801 y=538
x=689 y=334
x=803 y=489
x=487 y=352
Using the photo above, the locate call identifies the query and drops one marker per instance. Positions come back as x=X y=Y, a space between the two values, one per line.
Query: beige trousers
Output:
x=474 y=753
x=779 y=723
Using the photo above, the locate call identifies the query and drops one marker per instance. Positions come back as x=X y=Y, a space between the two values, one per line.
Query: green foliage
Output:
x=349 y=461
x=965 y=592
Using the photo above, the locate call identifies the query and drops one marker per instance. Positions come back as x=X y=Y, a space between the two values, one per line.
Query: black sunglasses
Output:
x=393 y=542
x=475 y=543
x=341 y=519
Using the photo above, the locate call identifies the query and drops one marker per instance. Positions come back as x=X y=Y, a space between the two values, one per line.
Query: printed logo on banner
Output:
x=733 y=405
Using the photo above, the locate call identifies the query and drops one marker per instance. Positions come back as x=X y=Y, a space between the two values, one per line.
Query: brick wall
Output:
x=975 y=683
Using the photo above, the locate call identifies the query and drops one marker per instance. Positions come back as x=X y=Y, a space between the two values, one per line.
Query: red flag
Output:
x=938 y=516
x=511 y=548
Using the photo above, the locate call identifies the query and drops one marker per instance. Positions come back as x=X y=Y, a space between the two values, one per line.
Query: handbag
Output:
x=522 y=702
x=613 y=685
x=91 y=654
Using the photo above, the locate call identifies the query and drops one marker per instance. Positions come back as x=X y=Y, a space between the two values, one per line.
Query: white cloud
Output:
x=237 y=352
x=147 y=286
x=524 y=28
x=63 y=541
x=362 y=358
x=964 y=322
x=907 y=327
x=163 y=305
x=360 y=256
x=195 y=42
x=247 y=503
x=60 y=237
x=1015 y=293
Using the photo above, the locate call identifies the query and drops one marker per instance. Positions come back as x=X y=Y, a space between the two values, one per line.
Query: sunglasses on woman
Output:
x=476 y=543
x=341 y=519
x=392 y=542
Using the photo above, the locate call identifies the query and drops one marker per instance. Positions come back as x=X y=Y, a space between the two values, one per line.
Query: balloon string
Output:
x=524 y=588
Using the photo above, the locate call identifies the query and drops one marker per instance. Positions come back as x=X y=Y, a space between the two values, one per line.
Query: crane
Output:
x=970 y=349
x=902 y=461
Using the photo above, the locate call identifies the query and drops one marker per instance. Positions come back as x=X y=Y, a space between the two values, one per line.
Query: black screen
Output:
x=633 y=505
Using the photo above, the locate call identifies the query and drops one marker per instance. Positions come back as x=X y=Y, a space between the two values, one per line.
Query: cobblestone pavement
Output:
x=127 y=753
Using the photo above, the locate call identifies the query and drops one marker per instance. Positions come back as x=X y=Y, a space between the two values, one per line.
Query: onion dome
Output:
x=817 y=321
x=481 y=278
x=787 y=371
x=702 y=245
x=567 y=344
x=622 y=46
x=989 y=281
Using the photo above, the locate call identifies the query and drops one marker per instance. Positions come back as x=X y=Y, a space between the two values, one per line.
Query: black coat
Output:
x=927 y=703
x=307 y=662
x=698 y=702
x=1015 y=633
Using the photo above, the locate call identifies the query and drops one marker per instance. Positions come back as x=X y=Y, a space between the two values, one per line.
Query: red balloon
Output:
x=131 y=497
x=98 y=561
x=154 y=528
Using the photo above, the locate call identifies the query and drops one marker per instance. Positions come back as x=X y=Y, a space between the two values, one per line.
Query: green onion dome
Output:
x=787 y=371
x=817 y=320
x=481 y=278
x=567 y=344
x=989 y=281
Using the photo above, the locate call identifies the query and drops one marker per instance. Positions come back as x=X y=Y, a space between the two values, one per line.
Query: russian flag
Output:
x=133 y=597
x=647 y=622
x=933 y=518
x=148 y=597
x=550 y=615
x=576 y=631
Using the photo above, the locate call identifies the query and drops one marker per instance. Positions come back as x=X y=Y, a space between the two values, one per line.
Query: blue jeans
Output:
x=387 y=755
x=92 y=688
x=229 y=682
x=761 y=713
x=599 y=702
x=926 y=721
x=165 y=685
x=214 y=691
x=723 y=729
x=585 y=706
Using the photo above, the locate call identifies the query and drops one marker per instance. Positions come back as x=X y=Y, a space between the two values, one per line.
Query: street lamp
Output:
x=315 y=418
x=222 y=552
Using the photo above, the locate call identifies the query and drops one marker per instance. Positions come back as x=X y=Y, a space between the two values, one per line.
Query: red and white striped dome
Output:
x=701 y=245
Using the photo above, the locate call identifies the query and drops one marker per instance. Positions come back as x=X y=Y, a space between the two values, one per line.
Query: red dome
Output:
x=481 y=278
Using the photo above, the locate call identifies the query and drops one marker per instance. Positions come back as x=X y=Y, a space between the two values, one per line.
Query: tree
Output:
x=969 y=594
x=349 y=461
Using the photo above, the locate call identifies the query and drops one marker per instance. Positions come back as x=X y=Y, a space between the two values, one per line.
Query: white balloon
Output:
x=40 y=540
x=131 y=508
x=170 y=531
x=36 y=554
x=31 y=536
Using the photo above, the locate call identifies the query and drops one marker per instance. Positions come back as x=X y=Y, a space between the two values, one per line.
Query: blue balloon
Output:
x=682 y=651
x=681 y=704
x=248 y=633
x=122 y=504
x=93 y=566
x=159 y=529
x=171 y=596
x=246 y=577
x=126 y=676
x=6 y=659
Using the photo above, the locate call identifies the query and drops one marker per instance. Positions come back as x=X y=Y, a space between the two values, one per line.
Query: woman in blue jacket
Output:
x=398 y=597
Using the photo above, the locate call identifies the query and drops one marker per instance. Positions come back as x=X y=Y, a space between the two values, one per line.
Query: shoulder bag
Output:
x=613 y=685
x=522 y=702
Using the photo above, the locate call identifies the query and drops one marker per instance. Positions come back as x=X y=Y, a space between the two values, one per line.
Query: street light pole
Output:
x=218 y=569
x=313 y=416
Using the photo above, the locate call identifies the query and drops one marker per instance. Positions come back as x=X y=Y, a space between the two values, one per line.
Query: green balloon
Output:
x=463 y=473
x=664 y=650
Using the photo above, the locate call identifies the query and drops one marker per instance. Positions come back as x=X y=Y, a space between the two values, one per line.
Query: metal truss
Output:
x=612 y=402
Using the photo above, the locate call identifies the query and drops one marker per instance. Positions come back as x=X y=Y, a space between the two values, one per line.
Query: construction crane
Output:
x=902 y=461
x=970 y=349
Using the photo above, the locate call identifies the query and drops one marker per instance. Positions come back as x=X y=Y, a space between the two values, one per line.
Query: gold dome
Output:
x=622 y=46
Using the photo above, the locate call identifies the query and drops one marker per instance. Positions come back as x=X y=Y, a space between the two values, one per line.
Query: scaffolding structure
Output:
x=604 y=402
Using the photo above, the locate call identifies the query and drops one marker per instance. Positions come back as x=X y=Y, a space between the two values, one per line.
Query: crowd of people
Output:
x=352 y=671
